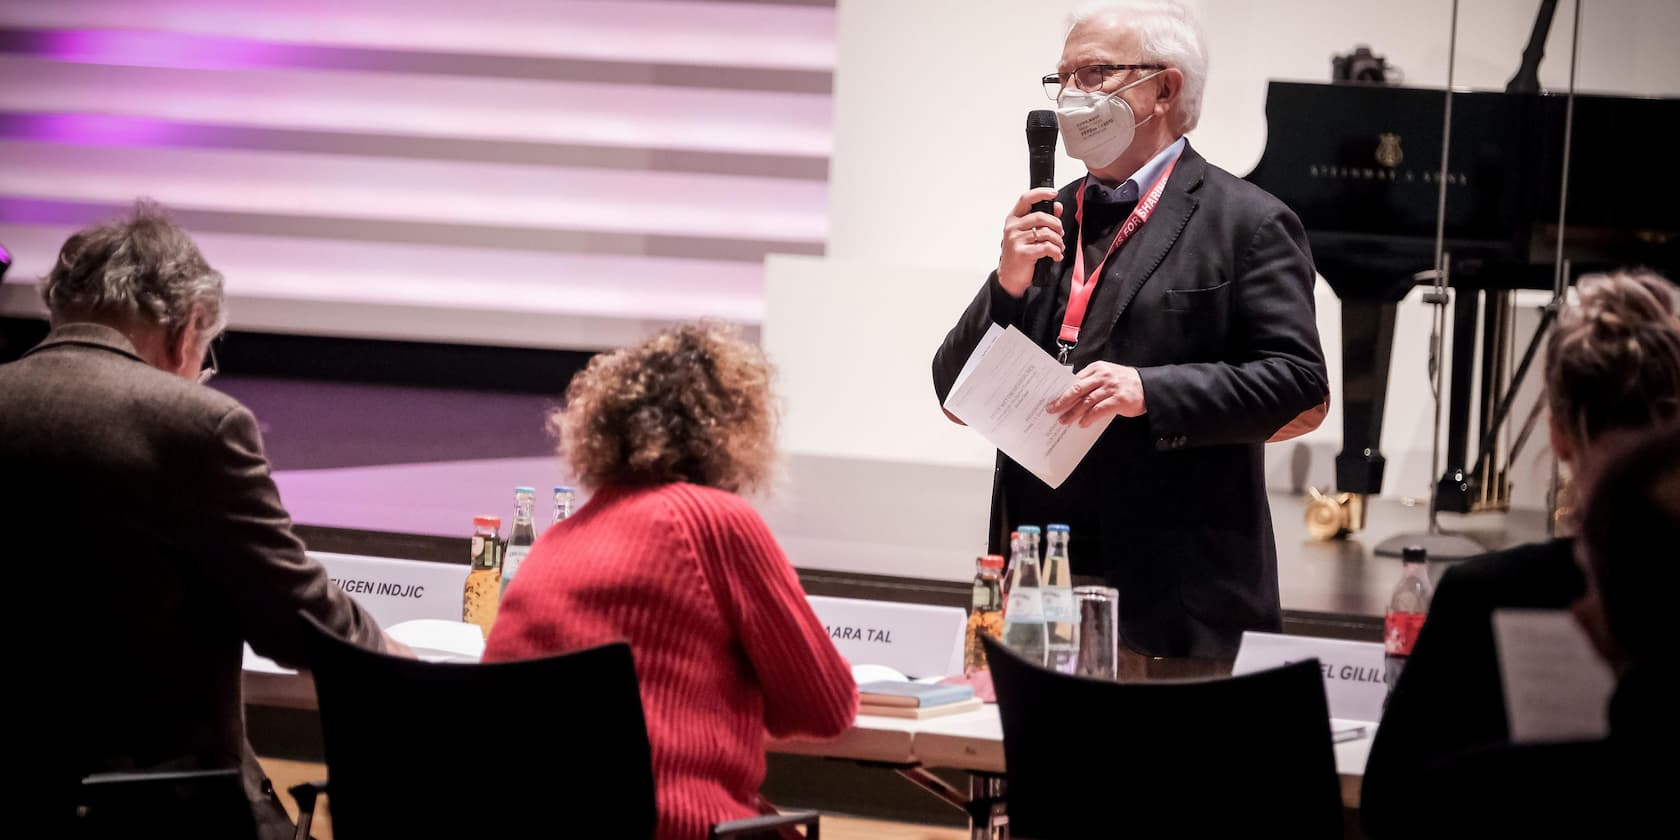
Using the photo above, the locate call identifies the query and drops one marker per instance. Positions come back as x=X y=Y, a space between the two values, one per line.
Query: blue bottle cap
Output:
x=1027 y=529
x=1056 y=527
x=525 y=490
x=562 y=489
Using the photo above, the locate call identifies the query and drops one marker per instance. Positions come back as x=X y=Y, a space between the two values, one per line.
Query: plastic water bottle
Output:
x=1023 y=615
x=1061 y=612
x=1407 y=608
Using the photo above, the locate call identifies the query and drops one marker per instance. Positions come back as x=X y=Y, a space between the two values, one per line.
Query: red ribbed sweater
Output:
x=726 y=646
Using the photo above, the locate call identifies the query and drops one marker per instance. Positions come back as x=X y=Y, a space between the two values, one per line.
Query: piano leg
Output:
x=1452 y=494
x=1367 y=344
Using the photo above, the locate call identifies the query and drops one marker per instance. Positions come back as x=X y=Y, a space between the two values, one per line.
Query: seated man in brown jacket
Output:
x=145 y=537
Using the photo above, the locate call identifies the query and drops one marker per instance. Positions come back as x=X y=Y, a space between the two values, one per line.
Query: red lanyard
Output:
x=1079 y=296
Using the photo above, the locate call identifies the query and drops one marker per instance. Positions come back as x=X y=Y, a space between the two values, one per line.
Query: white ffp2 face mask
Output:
x=1097 y=128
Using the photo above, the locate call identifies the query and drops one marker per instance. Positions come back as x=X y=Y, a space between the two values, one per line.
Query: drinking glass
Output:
x=1099 y=640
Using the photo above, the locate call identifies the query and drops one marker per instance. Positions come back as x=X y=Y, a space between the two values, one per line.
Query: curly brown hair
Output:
x=692 y=404
x=1614 y=359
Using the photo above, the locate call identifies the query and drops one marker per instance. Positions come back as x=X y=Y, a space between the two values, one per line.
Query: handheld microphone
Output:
x=1041 y=166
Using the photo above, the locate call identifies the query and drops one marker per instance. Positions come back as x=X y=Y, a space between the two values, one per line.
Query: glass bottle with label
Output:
x=1009 y=568
x=985 y=614
x=480 y=601
x=563 y=500
x=1407 y=608
x=1061 y=612
x=523 y=535
x=1023 y=615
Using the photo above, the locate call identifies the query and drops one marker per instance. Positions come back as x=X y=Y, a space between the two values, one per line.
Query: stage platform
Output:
x=400 y=471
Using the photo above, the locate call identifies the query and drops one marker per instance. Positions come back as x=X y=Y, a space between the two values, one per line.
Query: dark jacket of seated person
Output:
x=1449 y=698
x=666 y=556
x=1620 y=785
x=145 y=537
x=1612 y=370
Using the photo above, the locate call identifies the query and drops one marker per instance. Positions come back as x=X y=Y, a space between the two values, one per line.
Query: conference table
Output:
x=968 y=741
x=973 y=742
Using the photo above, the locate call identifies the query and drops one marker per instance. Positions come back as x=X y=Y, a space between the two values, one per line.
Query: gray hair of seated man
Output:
x=141 y=269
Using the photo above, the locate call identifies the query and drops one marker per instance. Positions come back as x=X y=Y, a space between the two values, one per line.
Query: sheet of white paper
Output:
x=877 y=673
x=1001 y=393
x=881 y=673
x=1557 y=688
x=436 y=640
x=986 y=342
x=262 y=664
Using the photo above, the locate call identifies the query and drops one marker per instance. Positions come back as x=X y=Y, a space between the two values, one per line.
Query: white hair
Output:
x=1168 y=32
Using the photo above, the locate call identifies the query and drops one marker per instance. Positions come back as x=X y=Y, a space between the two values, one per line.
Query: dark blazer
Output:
x=148 y=543
x=1449 y=699
x=1212 y=302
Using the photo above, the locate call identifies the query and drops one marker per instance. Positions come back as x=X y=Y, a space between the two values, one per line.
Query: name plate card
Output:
x=395 y=591
x=917 y=640
x=1353 y=672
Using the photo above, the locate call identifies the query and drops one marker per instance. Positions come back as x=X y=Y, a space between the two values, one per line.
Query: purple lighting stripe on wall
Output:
x=173 y=50
x=92 y=129
x=89 y=129
x=156 y=49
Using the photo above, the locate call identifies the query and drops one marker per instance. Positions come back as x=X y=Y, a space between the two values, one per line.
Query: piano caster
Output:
x=1460 y=492
x=1453 y=493
x=1330 y=517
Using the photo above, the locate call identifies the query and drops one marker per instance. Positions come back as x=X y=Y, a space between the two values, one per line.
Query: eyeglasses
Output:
x=1090 y=77
x=210 y=366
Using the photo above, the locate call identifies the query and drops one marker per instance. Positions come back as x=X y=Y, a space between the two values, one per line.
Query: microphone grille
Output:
x=1041 y=120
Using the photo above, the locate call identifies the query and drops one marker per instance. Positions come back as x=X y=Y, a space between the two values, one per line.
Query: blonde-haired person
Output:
x=668 y=556
x=1597 y=787
x=1612 y=372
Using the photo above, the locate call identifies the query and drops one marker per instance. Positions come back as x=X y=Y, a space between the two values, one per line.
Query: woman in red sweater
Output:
x=667 y=556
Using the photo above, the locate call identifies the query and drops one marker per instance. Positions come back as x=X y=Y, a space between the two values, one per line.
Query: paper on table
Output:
x=1001 y=393
x=1556 y=686
x=880 y=673
x=437 y=640
x=262 y=664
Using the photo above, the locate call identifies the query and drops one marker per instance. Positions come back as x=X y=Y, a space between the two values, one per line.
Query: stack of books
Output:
x=914 y=700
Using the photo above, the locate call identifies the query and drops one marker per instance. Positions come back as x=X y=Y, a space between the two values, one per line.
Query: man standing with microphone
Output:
x=1182 y=297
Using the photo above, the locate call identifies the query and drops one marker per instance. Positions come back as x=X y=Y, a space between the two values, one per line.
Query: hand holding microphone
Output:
x=1032 y=234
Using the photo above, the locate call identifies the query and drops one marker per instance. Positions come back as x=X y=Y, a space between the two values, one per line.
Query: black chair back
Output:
x=1241 y=756
x=194 y=804
x=553 y=747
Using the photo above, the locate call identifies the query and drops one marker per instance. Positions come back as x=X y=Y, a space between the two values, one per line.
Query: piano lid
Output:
x=1360 y=164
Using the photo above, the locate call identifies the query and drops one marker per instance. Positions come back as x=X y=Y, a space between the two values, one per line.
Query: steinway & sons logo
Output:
x=1388 y=149
x=1388 y=156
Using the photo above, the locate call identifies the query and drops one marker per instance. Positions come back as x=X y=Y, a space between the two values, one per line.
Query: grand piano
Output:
x=1362 y=168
